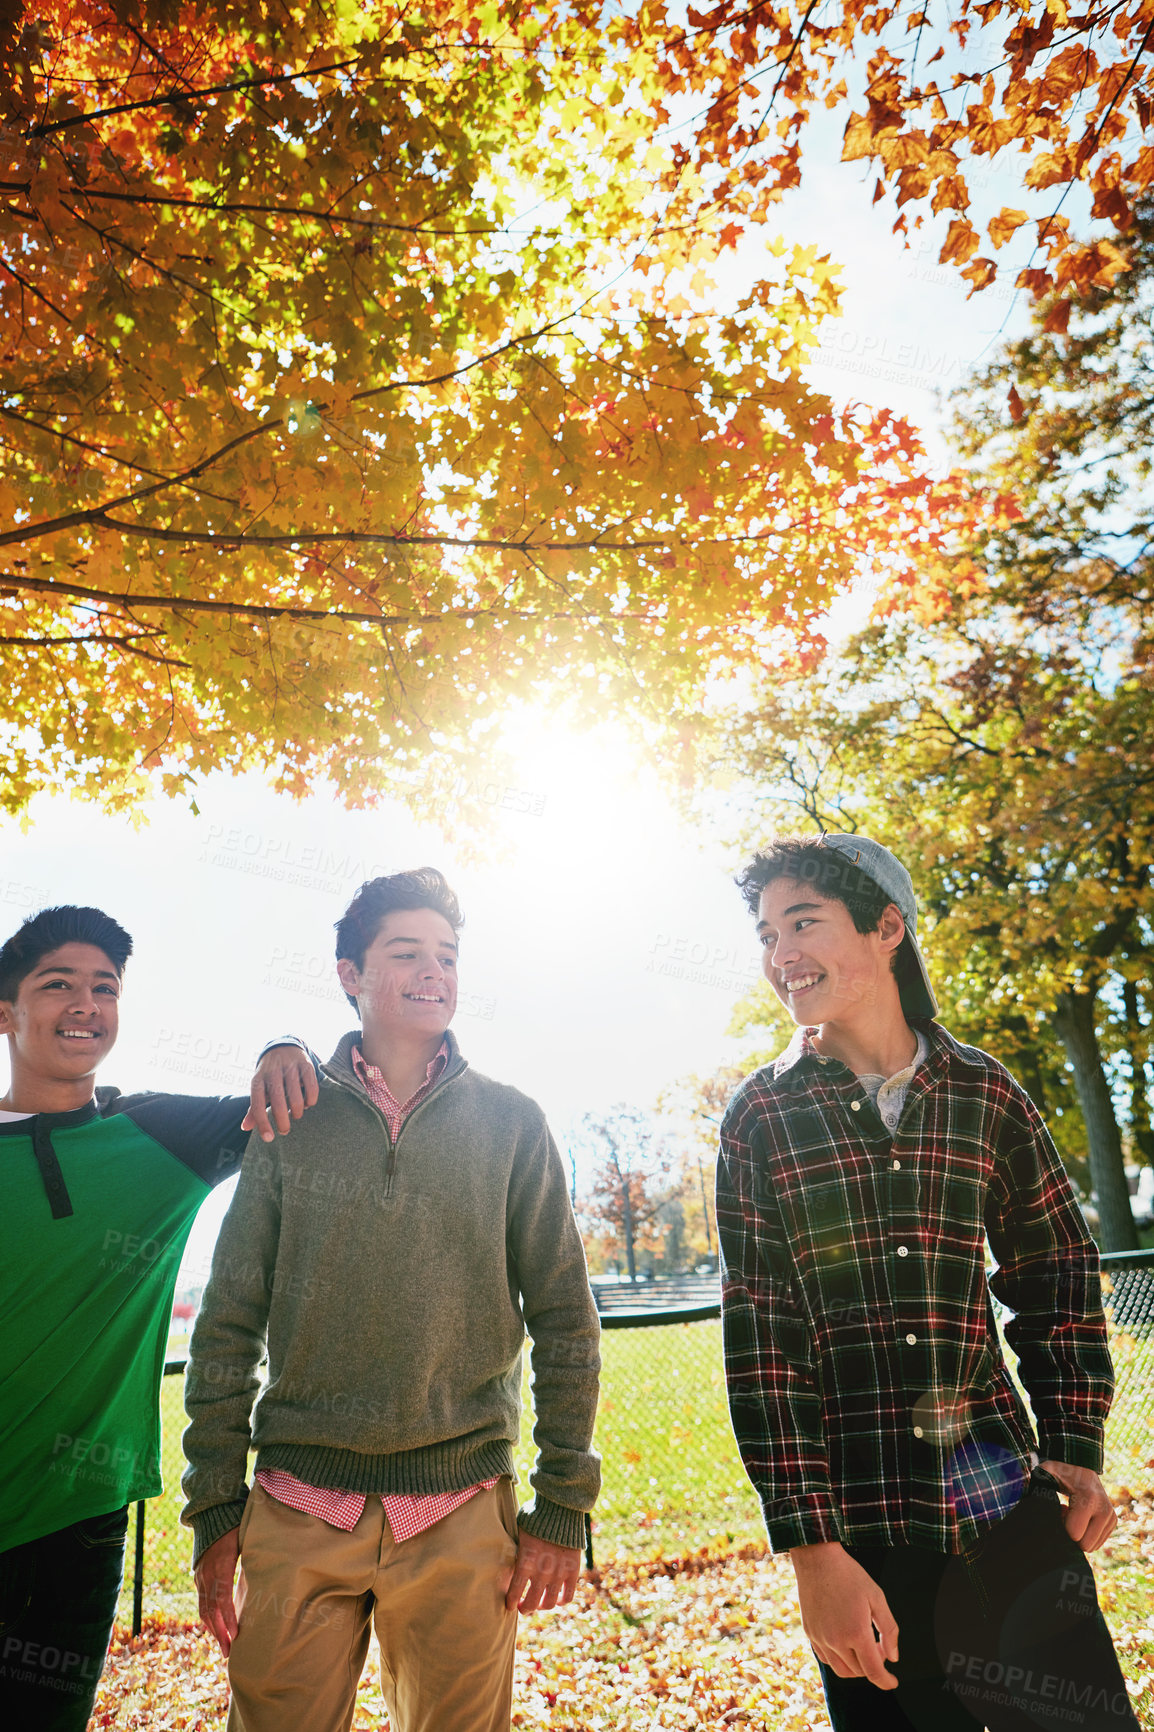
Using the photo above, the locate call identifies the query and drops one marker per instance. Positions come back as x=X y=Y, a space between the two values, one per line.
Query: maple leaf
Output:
x=980 y=273
x=961 y=242
x=1058 y=315
x=858 y=140
x=1005 y=224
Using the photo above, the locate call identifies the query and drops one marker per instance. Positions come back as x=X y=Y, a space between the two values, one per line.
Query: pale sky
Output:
x=604 y=949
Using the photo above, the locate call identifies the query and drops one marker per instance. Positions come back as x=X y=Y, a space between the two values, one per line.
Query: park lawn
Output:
x=686 y=1622
x=700 y=1641
x=673 y=1482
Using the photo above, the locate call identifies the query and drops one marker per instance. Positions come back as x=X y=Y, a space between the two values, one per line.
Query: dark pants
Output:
x=1011 y=1638
x=57 y=1604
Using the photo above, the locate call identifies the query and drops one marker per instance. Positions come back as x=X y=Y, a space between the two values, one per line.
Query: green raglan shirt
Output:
x=95 y=1209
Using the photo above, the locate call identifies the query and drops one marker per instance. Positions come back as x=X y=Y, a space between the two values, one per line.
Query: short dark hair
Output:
x=826 y=870
x=423 y=887
x=47 y=931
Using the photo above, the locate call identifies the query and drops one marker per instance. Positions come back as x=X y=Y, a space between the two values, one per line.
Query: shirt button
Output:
x=897 y=1166
x=903 y=1250
x=911 y=1340
x=855 y=1106
x=918 y=1432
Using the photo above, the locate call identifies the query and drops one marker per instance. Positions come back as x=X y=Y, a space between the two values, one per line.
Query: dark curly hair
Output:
x=825 y=869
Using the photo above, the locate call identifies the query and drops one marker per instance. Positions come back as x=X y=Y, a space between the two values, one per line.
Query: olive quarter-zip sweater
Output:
x=391 y=1287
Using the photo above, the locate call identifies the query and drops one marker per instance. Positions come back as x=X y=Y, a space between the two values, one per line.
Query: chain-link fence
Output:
x=673 y=1482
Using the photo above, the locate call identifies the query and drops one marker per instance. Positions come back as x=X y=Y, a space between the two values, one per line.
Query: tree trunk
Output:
x=627 y=1224
x=1073 y=1021
x=705 y=1209
x=1140 y=1124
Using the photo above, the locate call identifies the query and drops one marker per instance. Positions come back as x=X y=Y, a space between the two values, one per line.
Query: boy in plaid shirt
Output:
x=942 y=1584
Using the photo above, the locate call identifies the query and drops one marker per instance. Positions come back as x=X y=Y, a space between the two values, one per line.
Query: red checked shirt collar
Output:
x=382 y=1096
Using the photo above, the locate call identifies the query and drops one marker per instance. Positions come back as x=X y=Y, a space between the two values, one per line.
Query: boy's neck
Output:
x=877 y=1046
x=404 y=1065
x=38 y=1094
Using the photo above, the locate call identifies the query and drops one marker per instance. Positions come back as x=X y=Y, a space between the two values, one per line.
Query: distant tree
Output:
x=630 y=1179
x=1017 y=788
x=692 y=1110
x=1000 y=734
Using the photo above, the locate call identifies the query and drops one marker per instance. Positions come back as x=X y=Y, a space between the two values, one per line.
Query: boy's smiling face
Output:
x=407 y=984
x=821 y=967
x=65 y=1017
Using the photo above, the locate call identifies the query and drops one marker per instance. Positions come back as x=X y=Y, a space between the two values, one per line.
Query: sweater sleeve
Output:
x=770 y=1369
x=1048 y=1275
x=547 y=1261
x=227 y=1347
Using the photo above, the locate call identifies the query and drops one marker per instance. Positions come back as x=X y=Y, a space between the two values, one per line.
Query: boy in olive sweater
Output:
x=388 y=1257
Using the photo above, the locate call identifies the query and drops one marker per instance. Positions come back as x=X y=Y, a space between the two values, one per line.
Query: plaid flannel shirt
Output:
x=868 y=1390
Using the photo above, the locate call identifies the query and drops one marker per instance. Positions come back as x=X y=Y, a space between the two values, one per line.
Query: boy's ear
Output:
x=7 y=1023
x=349 y=975
x=891 y=927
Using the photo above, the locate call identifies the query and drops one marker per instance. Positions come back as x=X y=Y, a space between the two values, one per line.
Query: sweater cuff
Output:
x=210 y=1525
x=1075 y=1448
x=555 y=1523
x=289 y=1040
x=808 y=1521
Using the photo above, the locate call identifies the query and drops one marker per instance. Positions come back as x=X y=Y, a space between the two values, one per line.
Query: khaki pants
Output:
x=308 y=1592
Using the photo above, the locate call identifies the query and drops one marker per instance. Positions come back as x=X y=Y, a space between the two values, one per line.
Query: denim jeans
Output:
x=57 y=1604
x=1009 y=1637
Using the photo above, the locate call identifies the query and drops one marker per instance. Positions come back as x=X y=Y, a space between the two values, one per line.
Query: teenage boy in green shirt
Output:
x=100 y=1191
x=860 y=1178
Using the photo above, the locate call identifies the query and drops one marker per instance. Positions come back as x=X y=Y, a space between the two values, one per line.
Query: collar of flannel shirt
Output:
x=801 y=1053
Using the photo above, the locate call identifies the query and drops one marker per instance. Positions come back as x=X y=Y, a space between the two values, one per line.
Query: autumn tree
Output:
x=929 y=95
x=364 y=369
x=1019 y=797
x=1061 y=422
x=630 y=1171
x=999 y=732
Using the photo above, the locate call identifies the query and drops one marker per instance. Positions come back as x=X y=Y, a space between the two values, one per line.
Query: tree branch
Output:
x=124 y=643
x=97 y=518
x=174 y=98
x=12 y=581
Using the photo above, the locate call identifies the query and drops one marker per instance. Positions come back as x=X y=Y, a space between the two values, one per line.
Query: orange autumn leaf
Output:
x=961 y=242
x=1006 y=223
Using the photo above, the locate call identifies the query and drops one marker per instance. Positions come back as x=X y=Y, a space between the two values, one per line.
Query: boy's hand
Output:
x=284 y=1084
x=215 y=1574
x=841 y=1607
x=543 y=1575
x=1090 y=1516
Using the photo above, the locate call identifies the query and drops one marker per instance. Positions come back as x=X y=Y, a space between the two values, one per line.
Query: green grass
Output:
x=672 y=1478
x=673 y=1482
x=1130 y=1432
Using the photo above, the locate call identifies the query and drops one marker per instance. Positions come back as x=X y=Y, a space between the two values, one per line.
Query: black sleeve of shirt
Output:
x=202 y=1131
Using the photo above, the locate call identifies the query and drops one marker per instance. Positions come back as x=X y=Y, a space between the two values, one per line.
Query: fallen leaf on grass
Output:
x=673 y=1645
